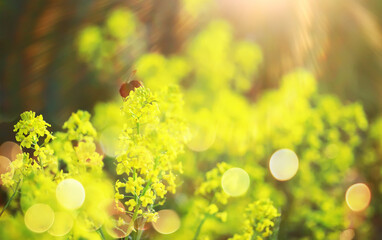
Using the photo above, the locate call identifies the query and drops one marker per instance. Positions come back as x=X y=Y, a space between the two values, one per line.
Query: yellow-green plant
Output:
x=152 y=137
x=48 y=159
x=232 y=123
x=33 y=135
x=98 y=44
x=76 y=147
x=260 y=217
x=212 y=192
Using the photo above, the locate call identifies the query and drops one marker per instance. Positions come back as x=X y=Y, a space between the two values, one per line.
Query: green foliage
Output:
x=37 y=177
x=218 y=70
x=325 y=134
x=121 y=24
x=151 y=138
x=98 y=45
x=156 y=70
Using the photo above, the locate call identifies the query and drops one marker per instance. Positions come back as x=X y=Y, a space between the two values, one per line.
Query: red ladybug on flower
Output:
x=128 y=86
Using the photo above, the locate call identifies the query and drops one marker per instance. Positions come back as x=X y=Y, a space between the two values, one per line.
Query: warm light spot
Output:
x=70 y=193
x=358 y=197
x=115 y=208
x=10 y=150
x=120 y=226
x=168 y=222
x=348 y=234
x=39 y=218
x=63 y=223
x=109 y=140
x=202 y=138
x=142 y=224
x=235 y=182
x=283 y=164
x=5 y=166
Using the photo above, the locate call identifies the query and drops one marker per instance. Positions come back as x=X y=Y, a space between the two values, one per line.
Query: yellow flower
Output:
x=7 y=179
x=212 y=209
x=222 y=216
x=170 y=178
x=30 y=128
x=222 y=197
x=119 y=184
x=134 y=186
x=151 y=138
x=151 y=216
x=117 y=195
x=260 y=218
x=87 y=155
x=79 y=126
x=159 y=189
x=120 y=222
x=131 y=204
x=148 y=198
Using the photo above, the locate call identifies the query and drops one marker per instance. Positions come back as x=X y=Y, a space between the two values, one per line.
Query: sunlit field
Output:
x=191 y=120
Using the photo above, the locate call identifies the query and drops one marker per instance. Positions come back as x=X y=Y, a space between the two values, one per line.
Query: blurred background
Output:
x=42 y=68
x=60 y=56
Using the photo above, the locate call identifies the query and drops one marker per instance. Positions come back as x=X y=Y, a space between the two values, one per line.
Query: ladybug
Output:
x=126 y=87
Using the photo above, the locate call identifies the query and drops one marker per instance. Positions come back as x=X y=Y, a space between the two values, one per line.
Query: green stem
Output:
x=99 y=230
x=276 y=228
x=10 y=199
x=138 y=235
x=135 y=212
x=146 y=187
x=199 y=227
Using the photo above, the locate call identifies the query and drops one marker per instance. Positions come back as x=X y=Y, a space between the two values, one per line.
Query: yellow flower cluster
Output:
x=30 y=128
x=153 y=135
x=79 y=126
x=212 y=185
x=76 y=147
x=260 y=220
x=30 y=131
x=211 y=190
x=47 y=160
